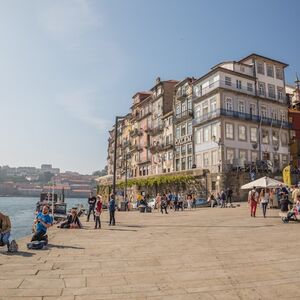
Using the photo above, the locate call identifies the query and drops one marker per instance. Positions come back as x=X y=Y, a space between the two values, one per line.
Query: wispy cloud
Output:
x=82 y=106
x=67 y=18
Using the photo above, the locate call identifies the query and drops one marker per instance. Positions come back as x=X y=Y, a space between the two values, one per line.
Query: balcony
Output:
x=155 y=130
x=181 y=94
x=222 y=84
x=134 y=148
x=136 y=132
x=183 y=116
x=243 y=116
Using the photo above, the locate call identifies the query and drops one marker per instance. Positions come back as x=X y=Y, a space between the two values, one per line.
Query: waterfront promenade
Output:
x=203 y=254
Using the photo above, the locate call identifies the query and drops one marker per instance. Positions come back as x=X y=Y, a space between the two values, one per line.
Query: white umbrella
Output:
x=263 y=182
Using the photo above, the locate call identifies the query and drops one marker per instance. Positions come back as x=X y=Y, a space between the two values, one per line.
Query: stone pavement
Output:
x=203 y=254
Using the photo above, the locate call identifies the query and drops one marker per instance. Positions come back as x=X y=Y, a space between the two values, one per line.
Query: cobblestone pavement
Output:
x=203 y=254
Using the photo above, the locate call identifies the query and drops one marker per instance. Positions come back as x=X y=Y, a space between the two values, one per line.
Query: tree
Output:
x=100 y=173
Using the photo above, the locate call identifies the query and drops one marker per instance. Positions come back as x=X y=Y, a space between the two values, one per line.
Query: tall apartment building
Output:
x=183 y=125
x=241 y=115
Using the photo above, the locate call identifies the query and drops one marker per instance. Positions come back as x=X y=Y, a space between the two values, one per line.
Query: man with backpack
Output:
x=253 y=200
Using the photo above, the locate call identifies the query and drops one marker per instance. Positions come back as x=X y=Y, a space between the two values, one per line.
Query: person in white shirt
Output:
x=264 y=200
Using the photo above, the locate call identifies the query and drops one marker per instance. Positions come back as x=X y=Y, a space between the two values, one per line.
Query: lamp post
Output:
x=118 y=118
x=127 y=156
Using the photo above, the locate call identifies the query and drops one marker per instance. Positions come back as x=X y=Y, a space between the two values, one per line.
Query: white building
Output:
x=240 y=115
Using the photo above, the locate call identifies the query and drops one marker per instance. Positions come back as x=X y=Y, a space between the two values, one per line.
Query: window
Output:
x=242 y=133
x=228 y=103
x=183 y=149
x=265 y=136
x=249 y=87
x=214 y=158
x=214 y=132
x=263 y=111
x=279 y=73
x=189 y=148
x=213 y=104
x=205 y=108
x=280 y=93
x=253 y=135
x=261 y=89
x=243 y=155
x=252 y=109
x=170 y=155
x=197 y=90
x=238 y=84
x=183 y=162
x=206 y=159
x=197 y=112
x=189 y=128
x=241 y=106
x=229 y=131
x=229 y=155
x=206 y=134
x=177 y=110
x=284 y=139
x=177 y=150
x=198 y=136
x=227 y=80
x=183 y=107
x=189 y=104
x=177 y=165
x=284 y=159
x=177 y=132
x=254 y=156
x=270 y=71
x=275 y=137
x=183 y=130
x=271 y=91
x=260 y=68
x=189 y=162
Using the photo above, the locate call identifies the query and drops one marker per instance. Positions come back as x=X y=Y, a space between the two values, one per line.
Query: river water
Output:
x=21 y=212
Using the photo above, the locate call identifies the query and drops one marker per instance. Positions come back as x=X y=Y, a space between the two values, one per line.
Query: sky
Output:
x=68 y=67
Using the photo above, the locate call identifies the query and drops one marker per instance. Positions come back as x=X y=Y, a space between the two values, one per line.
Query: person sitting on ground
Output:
x=73 y=221
x=42 y=222
x=293 y=213
x=5 y=228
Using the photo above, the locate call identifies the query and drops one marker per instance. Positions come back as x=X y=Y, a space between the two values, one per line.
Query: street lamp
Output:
x=127 y=156
x=118 y=118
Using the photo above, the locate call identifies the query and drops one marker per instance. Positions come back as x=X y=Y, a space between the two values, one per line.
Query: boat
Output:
x=53 y=202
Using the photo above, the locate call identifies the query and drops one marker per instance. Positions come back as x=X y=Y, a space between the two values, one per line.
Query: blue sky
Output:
x=68 y=67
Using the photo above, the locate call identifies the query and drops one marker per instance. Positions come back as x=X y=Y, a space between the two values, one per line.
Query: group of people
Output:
x=222 y=199
x=287 y=199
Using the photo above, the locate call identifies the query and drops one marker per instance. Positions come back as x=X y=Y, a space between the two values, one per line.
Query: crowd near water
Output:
x=22 y=212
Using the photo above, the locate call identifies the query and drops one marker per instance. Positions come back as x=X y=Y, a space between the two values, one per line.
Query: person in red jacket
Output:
x=98 y=211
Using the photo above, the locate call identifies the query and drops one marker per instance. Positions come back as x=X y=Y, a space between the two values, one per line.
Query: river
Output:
x=21 y=212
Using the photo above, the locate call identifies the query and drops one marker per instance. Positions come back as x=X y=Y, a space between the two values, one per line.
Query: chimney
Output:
x=157 y=80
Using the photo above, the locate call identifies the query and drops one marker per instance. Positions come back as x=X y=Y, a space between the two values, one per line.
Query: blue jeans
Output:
x=5 y=238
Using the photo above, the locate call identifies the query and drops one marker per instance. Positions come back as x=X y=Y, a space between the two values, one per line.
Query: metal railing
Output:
x=241 y=115
x=183 y=115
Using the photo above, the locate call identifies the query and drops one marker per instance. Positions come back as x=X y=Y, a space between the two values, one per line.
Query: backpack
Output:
x=13 y=246
x=36 y=245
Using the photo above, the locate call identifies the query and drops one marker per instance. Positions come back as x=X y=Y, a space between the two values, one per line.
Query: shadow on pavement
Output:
x=19 y=253
x=120 y=229
x=63 y=247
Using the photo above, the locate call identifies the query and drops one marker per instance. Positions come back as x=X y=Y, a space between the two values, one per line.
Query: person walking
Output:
x=253 y=198
x=5 y=228
x=92 y=202
x=112 y=209
x=194 y=202
x=189 y=201
x=264 y=200
x=158 y=201
x=223 y=199
x=163 y=204
x=98 y=212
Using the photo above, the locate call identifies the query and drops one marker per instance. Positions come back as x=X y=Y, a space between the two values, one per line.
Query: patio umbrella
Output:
x=263 y=182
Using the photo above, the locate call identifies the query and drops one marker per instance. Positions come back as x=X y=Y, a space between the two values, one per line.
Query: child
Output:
x=98 y=211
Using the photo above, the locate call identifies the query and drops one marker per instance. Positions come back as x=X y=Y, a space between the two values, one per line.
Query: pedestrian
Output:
x=264 y=200
x=212 y=200
x=296 y=193
x=92 y=202
x=5 y=228
x=112 y=209
x=180 y=202
x=223 y=199
x=253 y=198
x=126 y=203
x=158 y=201
x=194 y=202
x=229 y=196
x=169 y=199
x=189 y=201
x=98 y=212
x=163 y=204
